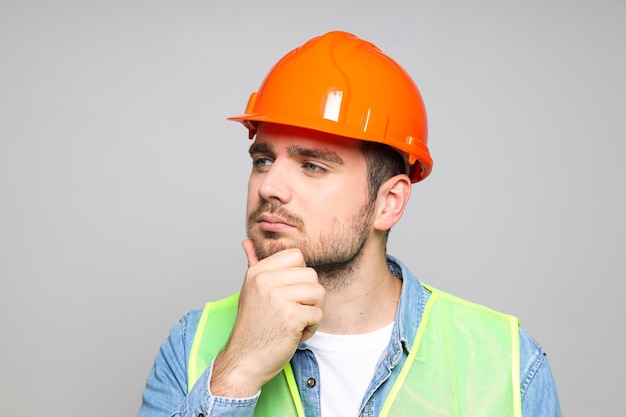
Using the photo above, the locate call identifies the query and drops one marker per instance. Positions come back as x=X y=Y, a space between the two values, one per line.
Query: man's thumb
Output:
x=250 y=250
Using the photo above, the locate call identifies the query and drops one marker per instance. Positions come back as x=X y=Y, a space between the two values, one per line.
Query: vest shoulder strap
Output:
x=218 y=319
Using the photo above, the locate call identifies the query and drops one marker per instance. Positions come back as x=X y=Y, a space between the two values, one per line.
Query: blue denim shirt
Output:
x=166 y=393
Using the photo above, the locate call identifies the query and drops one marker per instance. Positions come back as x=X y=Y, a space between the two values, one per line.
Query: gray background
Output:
x=122 y=187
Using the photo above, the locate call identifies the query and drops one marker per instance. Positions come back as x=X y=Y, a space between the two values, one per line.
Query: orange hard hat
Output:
x=343 y=85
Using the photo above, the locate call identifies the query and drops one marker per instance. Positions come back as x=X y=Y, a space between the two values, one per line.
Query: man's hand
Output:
x=280 y=305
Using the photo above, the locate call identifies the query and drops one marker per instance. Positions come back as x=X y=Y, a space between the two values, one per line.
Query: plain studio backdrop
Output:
x=122 y=186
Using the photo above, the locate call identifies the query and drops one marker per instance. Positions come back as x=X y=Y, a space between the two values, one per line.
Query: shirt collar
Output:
x=413 y=298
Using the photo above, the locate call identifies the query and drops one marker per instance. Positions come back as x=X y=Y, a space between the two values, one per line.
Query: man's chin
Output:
x=267 y=246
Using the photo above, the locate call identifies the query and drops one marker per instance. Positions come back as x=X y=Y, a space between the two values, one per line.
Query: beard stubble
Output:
x=333 y=254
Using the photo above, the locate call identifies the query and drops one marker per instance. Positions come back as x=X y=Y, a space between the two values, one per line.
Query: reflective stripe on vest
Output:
x=464 y=361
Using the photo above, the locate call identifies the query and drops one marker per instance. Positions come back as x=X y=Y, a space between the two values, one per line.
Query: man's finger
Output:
x=250 y=250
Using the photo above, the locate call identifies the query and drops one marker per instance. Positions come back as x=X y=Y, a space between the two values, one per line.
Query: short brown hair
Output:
x=383 y=162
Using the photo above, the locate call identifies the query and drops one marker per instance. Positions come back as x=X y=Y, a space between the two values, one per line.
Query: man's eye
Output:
x=309 y=166
x=261 y=162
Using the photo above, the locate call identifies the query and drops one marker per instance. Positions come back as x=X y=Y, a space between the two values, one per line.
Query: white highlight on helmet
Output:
x=367 y=120
x=333 y=105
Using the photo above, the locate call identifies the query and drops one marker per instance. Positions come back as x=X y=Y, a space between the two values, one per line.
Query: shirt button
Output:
x=200 y=415
x=310 y=382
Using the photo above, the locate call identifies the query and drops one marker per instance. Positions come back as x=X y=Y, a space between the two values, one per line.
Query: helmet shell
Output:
x=343 y=85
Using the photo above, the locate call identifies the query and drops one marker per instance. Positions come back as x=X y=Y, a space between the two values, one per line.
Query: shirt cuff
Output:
x=216 y=406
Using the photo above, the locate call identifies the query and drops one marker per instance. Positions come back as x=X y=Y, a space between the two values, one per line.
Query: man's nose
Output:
x=276 y=183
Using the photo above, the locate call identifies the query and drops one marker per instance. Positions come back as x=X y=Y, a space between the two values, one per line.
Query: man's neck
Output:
x=367 y=301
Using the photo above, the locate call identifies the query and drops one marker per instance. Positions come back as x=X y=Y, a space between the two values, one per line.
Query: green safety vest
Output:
x=464 y=363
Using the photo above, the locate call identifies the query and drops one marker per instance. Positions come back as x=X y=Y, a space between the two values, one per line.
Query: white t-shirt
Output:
x=346 y=365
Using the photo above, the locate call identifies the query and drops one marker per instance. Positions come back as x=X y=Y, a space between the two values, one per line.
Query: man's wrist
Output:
x=226 y=381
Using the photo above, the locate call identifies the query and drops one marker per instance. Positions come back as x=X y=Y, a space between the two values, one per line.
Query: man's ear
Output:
x=391 y=201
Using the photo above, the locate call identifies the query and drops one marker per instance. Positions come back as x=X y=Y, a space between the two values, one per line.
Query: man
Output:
x=326 y=323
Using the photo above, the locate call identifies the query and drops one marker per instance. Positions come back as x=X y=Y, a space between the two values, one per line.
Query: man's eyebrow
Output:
x=315 y=153
x=265 y=148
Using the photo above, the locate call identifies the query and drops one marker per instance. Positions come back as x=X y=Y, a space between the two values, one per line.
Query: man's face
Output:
x=308 y=190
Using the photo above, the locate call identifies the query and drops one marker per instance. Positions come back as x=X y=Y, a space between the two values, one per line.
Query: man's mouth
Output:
x=272 y=223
